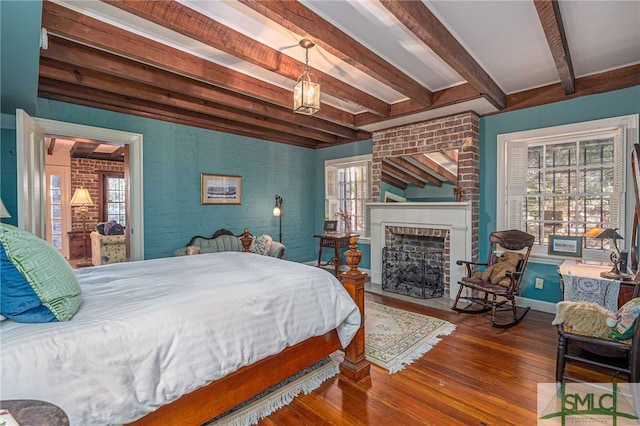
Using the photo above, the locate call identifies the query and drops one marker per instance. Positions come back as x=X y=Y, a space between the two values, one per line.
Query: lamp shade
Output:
x=603 y=233
x=3 y=210
x=81 y=198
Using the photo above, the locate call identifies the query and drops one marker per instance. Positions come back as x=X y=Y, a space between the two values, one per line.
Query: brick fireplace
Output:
x=456 y=221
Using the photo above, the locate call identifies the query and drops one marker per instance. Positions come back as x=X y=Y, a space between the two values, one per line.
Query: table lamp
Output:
x=81 y=198
x=609 y=233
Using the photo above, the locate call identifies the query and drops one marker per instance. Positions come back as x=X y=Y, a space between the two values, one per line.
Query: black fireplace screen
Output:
x=413 y=273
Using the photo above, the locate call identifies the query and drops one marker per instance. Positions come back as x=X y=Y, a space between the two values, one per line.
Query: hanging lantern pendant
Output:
x=306 y=93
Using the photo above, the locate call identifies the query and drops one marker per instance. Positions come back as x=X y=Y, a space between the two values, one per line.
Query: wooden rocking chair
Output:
x=506 y=288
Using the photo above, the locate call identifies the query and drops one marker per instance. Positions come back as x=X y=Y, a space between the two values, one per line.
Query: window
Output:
x=348 y=189
x=564 y=181
x=113 y=194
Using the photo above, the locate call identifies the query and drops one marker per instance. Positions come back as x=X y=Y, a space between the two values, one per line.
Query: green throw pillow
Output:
x=626 y=319
x=38 y=284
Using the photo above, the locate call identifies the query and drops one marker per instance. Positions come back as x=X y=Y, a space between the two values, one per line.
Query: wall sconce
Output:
x=306 y=92
x=4 y=213
x=82 y=199
x=278 y=212
x=609 y=233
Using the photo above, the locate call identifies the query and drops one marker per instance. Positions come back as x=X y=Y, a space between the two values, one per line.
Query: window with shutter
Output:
x=348 y=189
x=565 y=180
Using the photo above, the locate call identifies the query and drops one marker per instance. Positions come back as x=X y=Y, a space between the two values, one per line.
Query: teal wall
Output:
x=594 y=107
x=175 y=155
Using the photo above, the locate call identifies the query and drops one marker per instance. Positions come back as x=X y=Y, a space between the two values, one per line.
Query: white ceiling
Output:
x=505 y=38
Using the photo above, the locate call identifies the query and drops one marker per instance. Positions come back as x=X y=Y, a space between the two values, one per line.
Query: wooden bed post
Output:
x=355 y=365
x=246 y=241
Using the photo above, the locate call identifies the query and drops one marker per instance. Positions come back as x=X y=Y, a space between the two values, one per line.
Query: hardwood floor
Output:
x=476 y=376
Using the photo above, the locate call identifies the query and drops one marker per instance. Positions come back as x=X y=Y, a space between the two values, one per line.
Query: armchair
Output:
x=107 y=249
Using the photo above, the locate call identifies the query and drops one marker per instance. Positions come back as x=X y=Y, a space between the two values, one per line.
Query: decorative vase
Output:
x=347 y=227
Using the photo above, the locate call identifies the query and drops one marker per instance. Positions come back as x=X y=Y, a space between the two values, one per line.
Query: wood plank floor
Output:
x=476 y=376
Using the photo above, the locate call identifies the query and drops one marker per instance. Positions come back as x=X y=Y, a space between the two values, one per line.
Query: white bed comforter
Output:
x=148 y=332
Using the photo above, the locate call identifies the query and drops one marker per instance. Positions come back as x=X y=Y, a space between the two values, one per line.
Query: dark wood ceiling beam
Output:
x=442 y=98
x=306 y=23
x=92 y=79
x=551 y=20
x=80 y=95
x=398 y=173
x=420 y=21
x=52 y=144
x=386 y=178
x=434 y=167
x=74 y=26
x=83 y=149
x=83 y=56
x=609 y=81
x=190 y=23
x=424 y=175
x=117 y=153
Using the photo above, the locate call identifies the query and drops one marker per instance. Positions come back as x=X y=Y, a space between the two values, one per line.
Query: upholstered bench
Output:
x=225 y=240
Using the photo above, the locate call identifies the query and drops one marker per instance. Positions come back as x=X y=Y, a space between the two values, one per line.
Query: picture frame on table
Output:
x=330 y=226
x=220 y=189
x=562 y=245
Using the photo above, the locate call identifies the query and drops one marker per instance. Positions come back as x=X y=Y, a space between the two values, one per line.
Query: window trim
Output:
x=629 y=125
x=345 y=161
x=102 y=191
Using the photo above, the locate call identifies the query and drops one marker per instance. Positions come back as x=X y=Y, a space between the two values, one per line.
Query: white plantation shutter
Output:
x=618 y=169
x=330 y=190
x=516 y=183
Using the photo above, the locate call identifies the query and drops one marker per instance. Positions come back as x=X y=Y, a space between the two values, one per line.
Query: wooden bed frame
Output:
x=214 y=399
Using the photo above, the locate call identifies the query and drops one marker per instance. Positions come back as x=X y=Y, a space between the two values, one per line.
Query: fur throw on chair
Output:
x=585 y=318
x=496 y=273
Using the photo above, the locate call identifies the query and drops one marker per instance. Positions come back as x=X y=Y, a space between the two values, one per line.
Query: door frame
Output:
x=133 y=141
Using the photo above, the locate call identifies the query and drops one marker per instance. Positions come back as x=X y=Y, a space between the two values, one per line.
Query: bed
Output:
x=183 y=339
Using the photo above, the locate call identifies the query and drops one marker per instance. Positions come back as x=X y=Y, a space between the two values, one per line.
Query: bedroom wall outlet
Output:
x=539 y=283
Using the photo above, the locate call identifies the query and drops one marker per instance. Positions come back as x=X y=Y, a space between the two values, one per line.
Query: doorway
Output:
x=30 y=147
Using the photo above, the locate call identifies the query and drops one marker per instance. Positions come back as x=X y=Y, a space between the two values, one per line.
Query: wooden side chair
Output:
x=618 y=357
x=511 y=246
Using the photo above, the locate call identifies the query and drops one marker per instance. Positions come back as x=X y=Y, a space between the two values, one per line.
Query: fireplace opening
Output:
x=414 y=266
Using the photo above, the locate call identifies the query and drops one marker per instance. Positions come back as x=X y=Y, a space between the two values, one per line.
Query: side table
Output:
x=35 y=413
x=337 y=242
x=582 y=282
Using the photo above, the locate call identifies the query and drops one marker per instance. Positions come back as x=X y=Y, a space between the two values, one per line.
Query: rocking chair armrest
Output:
x=469 y=264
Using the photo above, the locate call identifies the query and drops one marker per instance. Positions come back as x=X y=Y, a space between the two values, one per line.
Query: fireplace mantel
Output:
x=454 y=217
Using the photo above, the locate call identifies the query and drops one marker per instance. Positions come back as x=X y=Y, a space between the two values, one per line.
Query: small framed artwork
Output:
x=561 y=245
x=220 y=189
x=330 y=226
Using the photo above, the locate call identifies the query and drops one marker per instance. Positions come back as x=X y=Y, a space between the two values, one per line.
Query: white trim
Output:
x=134 y=140
x=628 y=122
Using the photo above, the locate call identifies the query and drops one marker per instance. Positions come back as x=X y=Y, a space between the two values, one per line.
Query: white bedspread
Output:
x=148 y=332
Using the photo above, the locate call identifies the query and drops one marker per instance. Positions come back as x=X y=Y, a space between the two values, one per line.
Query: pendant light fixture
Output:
x=306 y=93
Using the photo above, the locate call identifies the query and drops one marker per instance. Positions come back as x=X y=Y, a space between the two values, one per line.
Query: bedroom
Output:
x=175 y=155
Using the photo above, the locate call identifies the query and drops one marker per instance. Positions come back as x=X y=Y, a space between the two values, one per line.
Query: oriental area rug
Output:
x=395 y=338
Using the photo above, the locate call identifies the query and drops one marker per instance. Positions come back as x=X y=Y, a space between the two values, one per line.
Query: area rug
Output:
x=276 y=397
x=395 y=338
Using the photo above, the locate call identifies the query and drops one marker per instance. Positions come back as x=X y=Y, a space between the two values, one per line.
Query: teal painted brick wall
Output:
x=594 y=107
x=8 y=170
x=175 y=155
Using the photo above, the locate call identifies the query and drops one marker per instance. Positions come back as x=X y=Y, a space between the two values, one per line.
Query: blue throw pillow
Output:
x=37 y=283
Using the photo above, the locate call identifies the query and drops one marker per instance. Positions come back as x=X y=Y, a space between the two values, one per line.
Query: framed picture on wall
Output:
x=220 y=189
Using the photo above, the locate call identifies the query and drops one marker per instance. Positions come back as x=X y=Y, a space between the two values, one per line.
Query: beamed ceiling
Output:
x=231 y=65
